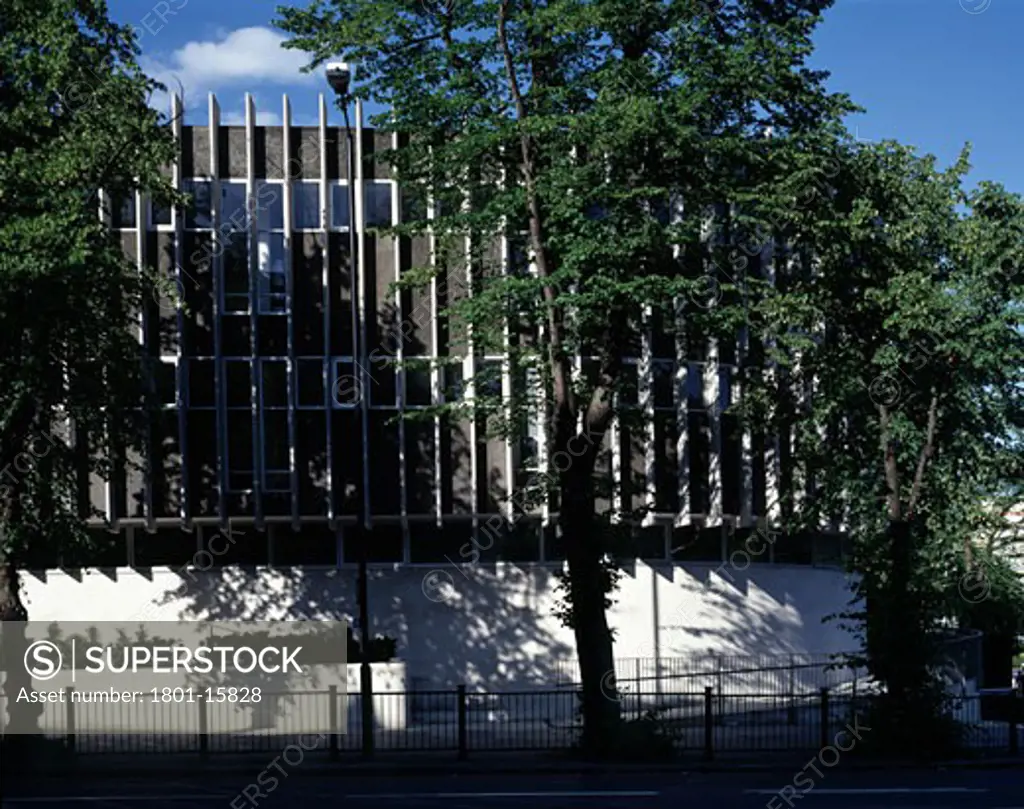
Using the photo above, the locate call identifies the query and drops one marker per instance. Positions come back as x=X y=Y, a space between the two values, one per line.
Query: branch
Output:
x=892 y=472
x=926 y=454
x=565 y=405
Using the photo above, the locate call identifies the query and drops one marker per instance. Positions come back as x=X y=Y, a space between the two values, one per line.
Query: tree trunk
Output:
x=587 y=588
x=901 y=641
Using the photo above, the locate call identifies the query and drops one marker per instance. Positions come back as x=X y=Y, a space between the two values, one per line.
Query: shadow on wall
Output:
x=771 y=610
x=486 y=632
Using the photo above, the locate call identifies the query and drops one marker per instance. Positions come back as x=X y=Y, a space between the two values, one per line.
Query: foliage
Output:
x=74 y=120
x=921 y=730
x=1000 y=612
x=898 y=354
x=598 y=137
x=381 y=649
x=645 y=738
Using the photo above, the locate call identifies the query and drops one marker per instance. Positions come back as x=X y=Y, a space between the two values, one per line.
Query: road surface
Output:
x=284 y=788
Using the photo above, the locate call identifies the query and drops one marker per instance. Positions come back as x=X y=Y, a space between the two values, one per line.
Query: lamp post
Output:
x=339 y=76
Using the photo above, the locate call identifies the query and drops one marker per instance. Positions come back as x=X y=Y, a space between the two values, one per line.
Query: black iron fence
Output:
x=699 y=724
x=729 y=674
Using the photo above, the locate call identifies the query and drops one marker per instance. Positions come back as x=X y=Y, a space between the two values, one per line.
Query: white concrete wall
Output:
x=484 y=625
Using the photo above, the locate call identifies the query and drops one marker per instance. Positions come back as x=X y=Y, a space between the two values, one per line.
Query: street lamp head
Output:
x=339 y=76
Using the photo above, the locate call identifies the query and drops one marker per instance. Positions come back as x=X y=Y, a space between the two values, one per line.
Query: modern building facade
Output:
x=263 y=420
x=279 y=424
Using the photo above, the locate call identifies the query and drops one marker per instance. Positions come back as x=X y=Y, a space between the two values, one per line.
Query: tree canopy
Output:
x=76 y=131
x=599 y=138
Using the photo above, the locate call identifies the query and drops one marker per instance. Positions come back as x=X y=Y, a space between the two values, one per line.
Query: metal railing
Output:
x=698 y=722
x=728 y=674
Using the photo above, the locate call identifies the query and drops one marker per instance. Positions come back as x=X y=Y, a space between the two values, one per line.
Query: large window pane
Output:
x=311 y=383
x=348 y=384
x=165 y=380
x=198 y=214
x=236 y=271
x=238 y=380
x=339 y=206
x=232 y=205
x=272 y=278
x=275 y=450
x=269 y=205
x=123 y=212
x=306 y=205
x=274 y=384
x=377 y=204
x=159 y=214
x=239 y=452
x=201 y=384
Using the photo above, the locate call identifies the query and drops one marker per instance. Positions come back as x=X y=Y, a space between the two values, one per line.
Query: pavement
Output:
x=284 y=783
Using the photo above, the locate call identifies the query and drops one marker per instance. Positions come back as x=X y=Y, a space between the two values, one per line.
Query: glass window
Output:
x=347 y=385
x=201 y=384
x=339 y=206
x=236 y=271
x=272 y=273
x=198 y=214
x=418 y=391
x=695 y=386
x=311 y=383
x=238 y=381
x=268 y=205
x=628 y=393
x=159 y=214
x=377 y=205
x=233 y=212
x=165 y=377
x=664 y=383
x=274 y=383
x=123 y=212
x=487 y=382
x=239 y=452
x=454 y=388
x=306 y=206
x=276 y=476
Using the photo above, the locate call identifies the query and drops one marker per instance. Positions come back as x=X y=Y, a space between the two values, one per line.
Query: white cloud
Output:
x=263 y=118
x=247 y=58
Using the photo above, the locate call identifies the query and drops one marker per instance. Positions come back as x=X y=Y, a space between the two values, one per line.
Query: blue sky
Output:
x=931 y=73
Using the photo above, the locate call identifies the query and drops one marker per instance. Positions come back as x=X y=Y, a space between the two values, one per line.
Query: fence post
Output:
x=636 y=669
x=460 y=695
x=332 y=700
x=721 y=690
x=204 y=728
x=709 y=723
x=1015 y=704
x=792 y=712
x=70 y=733
x=824 y=718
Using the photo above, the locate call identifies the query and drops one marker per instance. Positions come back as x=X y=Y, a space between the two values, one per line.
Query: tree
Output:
x=899 y=353
x=599 y=137
x=74 y=120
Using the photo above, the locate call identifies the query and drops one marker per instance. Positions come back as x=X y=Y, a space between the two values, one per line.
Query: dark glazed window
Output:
x=198 y=214
x=377 y=205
